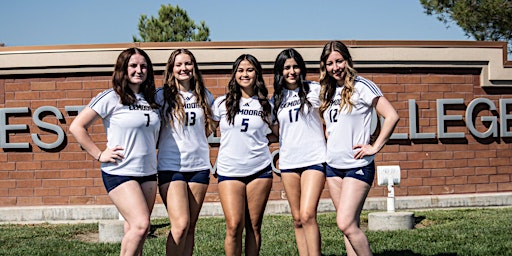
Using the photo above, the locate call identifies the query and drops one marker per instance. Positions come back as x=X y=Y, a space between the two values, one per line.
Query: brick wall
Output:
x=69 y=176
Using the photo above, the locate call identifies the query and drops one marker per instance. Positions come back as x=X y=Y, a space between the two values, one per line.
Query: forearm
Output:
x=387 y=129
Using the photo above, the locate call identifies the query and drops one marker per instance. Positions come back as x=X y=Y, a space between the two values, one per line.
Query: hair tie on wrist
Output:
x=99 y=156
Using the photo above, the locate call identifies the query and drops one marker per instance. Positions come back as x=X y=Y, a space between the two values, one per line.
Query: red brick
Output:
x=43 y=86
x=459 y=189
x=21 y=175
x=7 y=184
x=460 y=180
x=65 y=86
x=35 y=165
x=43 y=192
x=28 y=183
x=505 y=186
x=71 y=191
x=483 y=188
x=8 y=201
x=440 y=190
x=478 y=179
x=85 y=182
x=52 y=183
x=33 y=200
x=433 y=181
x=419 y=190
x=485 y=170
x=21 y=192
x=15 y=87
x=81 y=200
x=56 y=200
x=496 y=178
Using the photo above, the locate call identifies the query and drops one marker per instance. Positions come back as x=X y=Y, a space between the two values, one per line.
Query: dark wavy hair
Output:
x=121 y=81
x=280 y=83
x=174 y=99
x=234 y=92
x=329 y=84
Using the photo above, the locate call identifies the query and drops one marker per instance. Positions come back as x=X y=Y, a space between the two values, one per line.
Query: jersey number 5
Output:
x=245 y=124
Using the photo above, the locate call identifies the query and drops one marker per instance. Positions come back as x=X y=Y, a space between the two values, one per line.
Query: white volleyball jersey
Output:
x=244 y=145
x=301 y=133
x=134 y=127
x=184 y=147
x=344 y=130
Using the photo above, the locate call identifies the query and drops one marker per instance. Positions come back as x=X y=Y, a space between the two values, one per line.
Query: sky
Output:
x=61 y=22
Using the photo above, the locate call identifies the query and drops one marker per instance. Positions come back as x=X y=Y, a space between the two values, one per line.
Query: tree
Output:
x=484 y=20
x=171 y=25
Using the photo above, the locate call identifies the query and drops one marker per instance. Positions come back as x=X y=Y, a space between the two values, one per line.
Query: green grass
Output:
x=485 y=231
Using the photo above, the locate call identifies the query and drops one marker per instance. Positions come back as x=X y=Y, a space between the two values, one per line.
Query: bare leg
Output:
x=196 y=194
x=312 y=184
x=233 y=199
x=291 y=183
x=352 y=194
x=175 y=197
x=257 y=191
x=136 y=212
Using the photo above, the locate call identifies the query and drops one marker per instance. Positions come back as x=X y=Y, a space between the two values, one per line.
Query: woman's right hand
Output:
x=112 y=155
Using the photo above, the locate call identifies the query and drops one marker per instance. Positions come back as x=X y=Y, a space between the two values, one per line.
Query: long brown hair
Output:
x=235 y=93
x=280 y=84
x=174 y=99
x=329 y=84
x=121 y=81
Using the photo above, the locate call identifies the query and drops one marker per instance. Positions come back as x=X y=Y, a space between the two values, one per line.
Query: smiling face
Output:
x=335 y=67
x=246 y=77
x=137 y=70
x=291 y=73
x=183 y=69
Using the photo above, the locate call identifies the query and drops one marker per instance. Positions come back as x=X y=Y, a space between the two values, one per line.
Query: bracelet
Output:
x=99 y=156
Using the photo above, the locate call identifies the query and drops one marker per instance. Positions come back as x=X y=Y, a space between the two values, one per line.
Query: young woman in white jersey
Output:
x=128 y=163
x=301 y=146
x=348 y=101
x=244 y=161
x=183 y=151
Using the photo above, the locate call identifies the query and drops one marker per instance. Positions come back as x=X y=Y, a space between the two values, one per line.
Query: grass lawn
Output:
x=482 y=231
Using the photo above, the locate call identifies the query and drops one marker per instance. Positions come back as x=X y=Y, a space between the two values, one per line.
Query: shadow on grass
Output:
x=153 y=228
x=401 y=253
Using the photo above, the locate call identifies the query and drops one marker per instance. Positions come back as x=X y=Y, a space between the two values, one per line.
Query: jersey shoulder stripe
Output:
x=369 y=84
x=100 y=96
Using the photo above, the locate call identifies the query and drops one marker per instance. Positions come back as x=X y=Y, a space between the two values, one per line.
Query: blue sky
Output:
x=56 y=22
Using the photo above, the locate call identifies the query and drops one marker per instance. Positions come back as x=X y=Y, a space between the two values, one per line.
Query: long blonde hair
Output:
x=172 y=97
x=329 y=84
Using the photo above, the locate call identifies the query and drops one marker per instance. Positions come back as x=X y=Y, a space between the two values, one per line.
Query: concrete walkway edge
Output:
x=95 y=213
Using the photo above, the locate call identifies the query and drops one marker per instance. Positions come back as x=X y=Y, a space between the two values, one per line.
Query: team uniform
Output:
x=346 y=129
x=244 y=145
x=301 y=134
x=184 y=147
x=134 y=127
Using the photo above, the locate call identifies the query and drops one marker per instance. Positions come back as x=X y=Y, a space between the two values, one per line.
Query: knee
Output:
x=297 y=223
x=233 y=228
x=347 y=227
x=180 y=227
x=307 y=217
x=139 y=228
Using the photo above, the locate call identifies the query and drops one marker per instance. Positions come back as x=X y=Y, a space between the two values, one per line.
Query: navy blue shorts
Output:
x=202 y=177
x=112 y=181
x=365 y=173
x=266 y=173
x=318 y=167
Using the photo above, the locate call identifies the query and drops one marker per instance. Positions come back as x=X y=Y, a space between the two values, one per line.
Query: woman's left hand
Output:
x=364 y=150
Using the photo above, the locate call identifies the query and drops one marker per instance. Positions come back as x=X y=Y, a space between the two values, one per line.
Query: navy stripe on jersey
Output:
x=370 y=85
x=100 y=96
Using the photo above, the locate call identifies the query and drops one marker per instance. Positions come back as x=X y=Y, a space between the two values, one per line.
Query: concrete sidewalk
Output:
x=95 y=213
